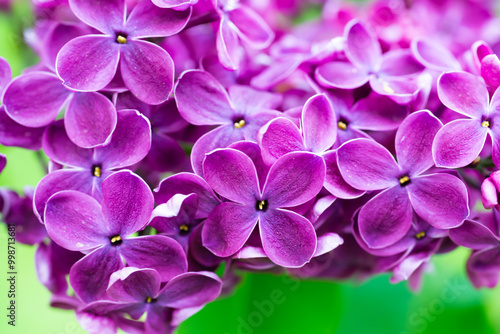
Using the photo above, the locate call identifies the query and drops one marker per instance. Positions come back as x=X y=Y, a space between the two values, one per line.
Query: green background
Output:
x=262 y=303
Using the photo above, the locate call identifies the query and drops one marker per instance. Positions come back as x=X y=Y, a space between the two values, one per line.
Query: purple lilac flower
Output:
x=89 y=63
x=137 y=291
x=3 y=162
x=387 y=73
x=288 y=238
x=12 y=133
x=78 y=222
x=87 y=168
x=490 y=190
x=240 y=112
x=238 y=21
x=439 y=198
x=36 y=98
x=482 y=235
x=459 y=142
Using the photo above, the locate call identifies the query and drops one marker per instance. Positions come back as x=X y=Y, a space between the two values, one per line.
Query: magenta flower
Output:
x=288 y=238
x=89 y=63
x=36 y=98
x=440 y=199
x=87 y=168
x=78 y=222
x=138 y=291
x=459 y=142
x=238 y=21
x=387 y=73
x=240 y=112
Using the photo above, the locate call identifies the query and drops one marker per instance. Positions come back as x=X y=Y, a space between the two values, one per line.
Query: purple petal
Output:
x=105 y=16
x=15 y=134
x=279 y=137
x=277 y=72
x=376 y=112
x=130 y=141
x=386 y=218
x=433 y=55
x=166 y=154
x=60 y=149
x=473 y=235
x=289 y=239
x=35 y=99
x=90 y=119
x=253 y=151
x=440 y=199
x=89 y=277
x=74 y=221
x=175 y=4
x=399 y=62
x=5 y=74
x=3 y=163
x=190 y=290
x=201 y=99
x=65 y=179
x=251 y=27
x=401 y=90
x=158 y=252
x=232 y=175
x=187 y=183
x=88 y=63
x=490 y=71
x=367 y=165
x=127 y=203
x=148 y=71
x=464 y=93
x=340 y=75
x=484 y=259
x=177 y=211
x=228 y=45
x=228 y=227
x=328 y=242
x=458 y=143
x=134 y=285
x=307 y=170
x=319 y=124
x=362 y=47
x=414 y=142
x=250 y=101
x=148 y=20
x=334 y=182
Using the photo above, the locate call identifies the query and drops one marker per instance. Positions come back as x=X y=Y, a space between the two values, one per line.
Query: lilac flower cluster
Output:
x=363 y=140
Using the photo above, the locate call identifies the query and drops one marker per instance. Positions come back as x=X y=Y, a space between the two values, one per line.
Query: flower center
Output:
x=387 y=88
x=149 y=300
x=184 y=229
x=420 y=235
x=120 y=39
x=97 y=170
x=404 y=180
x=261 y=206
x=239 y=124
x=485 y=124
x=116 y=240
x=342 y=125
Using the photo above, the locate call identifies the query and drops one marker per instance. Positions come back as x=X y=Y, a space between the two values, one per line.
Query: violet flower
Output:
x=388 y=73
x=459 y=142
x=288 y=238
x=240 y=112
x=36 y=98
x=440 y=199
x=138 y=291
x=78 y=222
x=87 y=168
x=89 y=63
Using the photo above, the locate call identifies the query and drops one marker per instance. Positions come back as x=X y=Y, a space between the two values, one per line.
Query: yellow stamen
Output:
x=240 y=124
x=97 y=171
x=184 y=228
x=485 y=124
x=120 y=39
x=342 y=125
x=149 y=299
x=420 y=235
x=387 y=88
x=261 y=205
x=476 y=161
x=116 y=239
x=405 y=179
